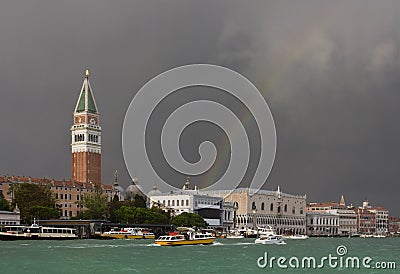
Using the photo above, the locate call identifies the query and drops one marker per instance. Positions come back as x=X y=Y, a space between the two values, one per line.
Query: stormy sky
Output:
x=329 y=71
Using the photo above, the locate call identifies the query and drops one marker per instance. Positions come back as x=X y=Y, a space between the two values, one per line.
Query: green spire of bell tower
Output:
x=86 y=100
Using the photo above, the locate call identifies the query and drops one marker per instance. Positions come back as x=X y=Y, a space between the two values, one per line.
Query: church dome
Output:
x=131 y=191
x=154 y=192
x=121 y=190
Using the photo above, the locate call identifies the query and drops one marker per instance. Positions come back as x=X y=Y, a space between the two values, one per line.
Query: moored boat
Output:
x=186 y=236
x=266 y=231
x=296 y=237
x=128 y=233
x=272 y=239
x=36 y=232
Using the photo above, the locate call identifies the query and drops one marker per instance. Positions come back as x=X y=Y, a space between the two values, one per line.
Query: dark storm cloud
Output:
x=329 y=71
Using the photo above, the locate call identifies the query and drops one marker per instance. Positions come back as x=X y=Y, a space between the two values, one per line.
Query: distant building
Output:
x=68 y=194
x=347 y=216
x=372 y=220
x=322 y=224
x=285 y=212
x=191 y=201
x=394 y=225
x=86 y=137
x=10 y=217
x=365 y=221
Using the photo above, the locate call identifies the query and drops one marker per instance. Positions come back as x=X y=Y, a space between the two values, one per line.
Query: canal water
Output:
x=225 y=256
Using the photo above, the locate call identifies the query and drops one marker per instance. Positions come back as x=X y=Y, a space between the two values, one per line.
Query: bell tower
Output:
x=86 y=137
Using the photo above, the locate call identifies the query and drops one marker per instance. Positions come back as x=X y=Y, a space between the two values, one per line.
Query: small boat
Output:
x=366 y=236
x=272 y=239
x=128 y=233
x=248 y=233
x=378 y=236
x=296 y=237
x=186 y=236
x=266 y=230
x=235 y=234
x=36 y=232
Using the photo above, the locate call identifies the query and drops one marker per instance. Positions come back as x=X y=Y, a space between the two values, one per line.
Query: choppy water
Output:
x=225 y=256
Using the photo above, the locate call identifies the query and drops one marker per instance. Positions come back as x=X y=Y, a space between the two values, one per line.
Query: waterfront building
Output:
x=365 y=221
x=86 y=137
x=393 y=225
x=372 y=219
x=228 y=215
x=347 y=216
x=10 y=217
x=252 y=209
x=381 y=219
x=191 y=201
x=67 y=193
x=322 y=223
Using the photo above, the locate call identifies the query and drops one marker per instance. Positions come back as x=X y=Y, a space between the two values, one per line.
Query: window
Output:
x=262 y=206
x=177 y=202
x=301 y=210
x=77 y=197
x=173 y=202
x=56 y=195
x=253 y=206
x=279 y=209
x=271 y=207
x=169 y=203
x=70 y=196
x=187 y=202
x=293 y=210
x=285 y=208
x=61 y=196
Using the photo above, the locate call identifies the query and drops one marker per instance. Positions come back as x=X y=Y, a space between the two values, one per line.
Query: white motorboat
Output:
x=272 y=239
x=366 y=236
x=379 y=236
x=234 y=234
x=185 y=236
x=266 y=230
x=296 y=237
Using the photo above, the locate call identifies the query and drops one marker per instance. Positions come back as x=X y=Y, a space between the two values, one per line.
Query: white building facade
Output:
x=210 y=208
x=322 y=224
x=252 y=209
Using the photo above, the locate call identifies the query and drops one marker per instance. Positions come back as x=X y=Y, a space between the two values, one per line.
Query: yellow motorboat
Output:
x=128 y=233
x=187 y=236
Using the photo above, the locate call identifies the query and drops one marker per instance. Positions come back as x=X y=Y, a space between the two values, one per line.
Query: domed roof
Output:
x=120 y=189
x=132 y=190
x=154 y=192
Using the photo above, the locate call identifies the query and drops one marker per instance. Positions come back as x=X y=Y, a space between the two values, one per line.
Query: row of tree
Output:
x=37 y=201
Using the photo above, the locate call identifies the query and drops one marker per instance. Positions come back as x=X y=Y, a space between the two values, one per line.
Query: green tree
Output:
x=96 y=206
x=125 y=214
x=188 y=220
x=149 y=216
x=114 y=205
x=139 y=201
x=4 y=205
x=29 y=196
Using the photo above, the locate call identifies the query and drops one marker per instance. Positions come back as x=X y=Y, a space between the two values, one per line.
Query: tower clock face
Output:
x=92 y=121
